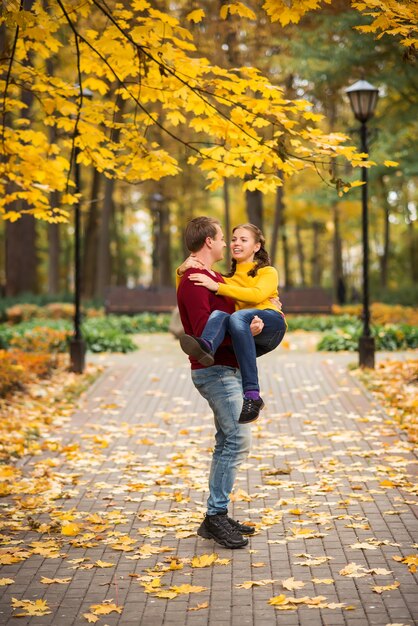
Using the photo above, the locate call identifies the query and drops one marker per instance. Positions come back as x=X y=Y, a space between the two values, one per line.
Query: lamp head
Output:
x=363 y=99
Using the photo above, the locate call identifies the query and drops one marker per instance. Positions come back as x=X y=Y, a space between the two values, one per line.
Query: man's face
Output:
x=219 y=245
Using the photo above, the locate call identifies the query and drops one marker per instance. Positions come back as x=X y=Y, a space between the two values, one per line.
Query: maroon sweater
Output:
x=195 y=304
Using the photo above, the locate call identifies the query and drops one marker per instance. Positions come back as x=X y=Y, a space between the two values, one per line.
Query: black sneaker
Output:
x=242 y=528
x=195 y=347
x=250 y=410
x=217 y=527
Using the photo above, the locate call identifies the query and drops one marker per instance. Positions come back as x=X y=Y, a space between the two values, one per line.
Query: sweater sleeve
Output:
x=194 y=304
x=178 y=278
x=265 y=286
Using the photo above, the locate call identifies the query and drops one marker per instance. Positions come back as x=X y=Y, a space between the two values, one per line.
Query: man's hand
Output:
x=190 y=262
x=276 y=302
x=204 y=280
x=256 y=325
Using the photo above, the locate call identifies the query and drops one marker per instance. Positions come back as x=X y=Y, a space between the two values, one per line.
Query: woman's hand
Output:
x=256 y=325
x=276 y=302
x=190 y=262
x=204 y=280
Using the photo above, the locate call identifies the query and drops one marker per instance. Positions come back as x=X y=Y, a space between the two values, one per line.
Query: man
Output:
x=220 y=384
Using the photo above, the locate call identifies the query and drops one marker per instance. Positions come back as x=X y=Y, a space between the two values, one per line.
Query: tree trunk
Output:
x=119 y=272
x=301 y=254
x=54 y=248
x=254 y=202
x=316 y=259
x=227 y=221
x=91 y=239
x=166 y=278
x=384 y=259
x=339 y=282
x=288 y=280
x=21 y=258
x=278 y=216
x=103 y=251
x=412 y=240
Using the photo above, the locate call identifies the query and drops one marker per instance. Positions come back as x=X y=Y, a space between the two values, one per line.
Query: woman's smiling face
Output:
x=243 y=245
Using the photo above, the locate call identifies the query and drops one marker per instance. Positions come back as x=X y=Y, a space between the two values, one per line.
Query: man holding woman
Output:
x=220 y=384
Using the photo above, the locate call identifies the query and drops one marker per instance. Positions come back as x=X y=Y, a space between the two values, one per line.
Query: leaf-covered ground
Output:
x=100 y=506
x=395 y=384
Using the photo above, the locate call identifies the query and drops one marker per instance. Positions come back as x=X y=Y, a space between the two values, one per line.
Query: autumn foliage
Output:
x=148 y=81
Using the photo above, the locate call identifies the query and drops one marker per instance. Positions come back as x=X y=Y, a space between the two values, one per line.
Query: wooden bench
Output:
x=306 y=300
x=128 y=300
x=163 y=300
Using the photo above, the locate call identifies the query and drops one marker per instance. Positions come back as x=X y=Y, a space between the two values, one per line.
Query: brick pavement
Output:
x=326 y=472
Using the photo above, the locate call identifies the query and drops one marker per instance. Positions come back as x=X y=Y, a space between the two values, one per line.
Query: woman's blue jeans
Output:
x=246 y=347
x=221 y=386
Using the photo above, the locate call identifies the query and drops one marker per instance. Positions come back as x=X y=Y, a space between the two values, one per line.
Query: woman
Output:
x=251 y=282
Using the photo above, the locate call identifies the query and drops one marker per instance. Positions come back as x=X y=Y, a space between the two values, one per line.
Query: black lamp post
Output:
x=77 y=344
x=363 y=98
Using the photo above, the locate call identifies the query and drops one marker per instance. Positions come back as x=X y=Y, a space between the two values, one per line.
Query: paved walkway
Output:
x=329 y=486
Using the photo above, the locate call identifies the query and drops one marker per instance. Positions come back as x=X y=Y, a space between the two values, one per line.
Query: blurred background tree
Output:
x=132 y=232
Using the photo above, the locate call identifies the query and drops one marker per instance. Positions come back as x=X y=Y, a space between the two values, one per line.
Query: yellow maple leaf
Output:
x=107 y=607
x=391 y=163
x=195 y=16
x=32 y=607
x=92 y=619
x=296 y=511
x=6 y=581
x=187 y=589
x=322 y=581
x=255 y=583
x=382 y=588
x=199 y=607
x=70 y=529
x=205 y=560
x=291 y=583
x=103 y=564
x=49 y=581
x=277 y=600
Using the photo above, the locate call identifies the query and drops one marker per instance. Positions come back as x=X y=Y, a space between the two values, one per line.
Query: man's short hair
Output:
x=197 y=230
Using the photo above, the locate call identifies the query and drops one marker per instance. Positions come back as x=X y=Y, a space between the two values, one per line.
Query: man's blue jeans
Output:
x=221 y=386
x=246 y=347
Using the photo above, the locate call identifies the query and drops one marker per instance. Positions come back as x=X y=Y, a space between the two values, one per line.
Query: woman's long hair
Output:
x=261 y=257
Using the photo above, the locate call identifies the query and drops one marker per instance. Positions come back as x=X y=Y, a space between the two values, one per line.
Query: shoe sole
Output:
x=240 y=421
x=192 y=348
x=205 y=534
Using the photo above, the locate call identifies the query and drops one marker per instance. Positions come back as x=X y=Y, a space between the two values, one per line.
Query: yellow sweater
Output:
x=251 y=292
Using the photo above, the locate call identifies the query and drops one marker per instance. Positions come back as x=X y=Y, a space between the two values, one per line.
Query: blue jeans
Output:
x=246 y=347
x=221 y=386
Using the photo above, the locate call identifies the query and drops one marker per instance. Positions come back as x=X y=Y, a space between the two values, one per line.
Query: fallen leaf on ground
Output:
x=255 y=583
x=107 y=607
x=204 y=605
x=323 y=581
x=291 y=583
x=205 y=560
x=49 y=581
x=382 y=588
x=32 y=607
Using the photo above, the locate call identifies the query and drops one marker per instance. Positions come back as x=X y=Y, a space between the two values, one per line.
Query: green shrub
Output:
x=318 y=322
x=390 y=337
x=110 y=340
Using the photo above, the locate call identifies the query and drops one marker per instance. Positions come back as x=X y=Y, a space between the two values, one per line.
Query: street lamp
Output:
x=77 y=344
x=363 y=99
